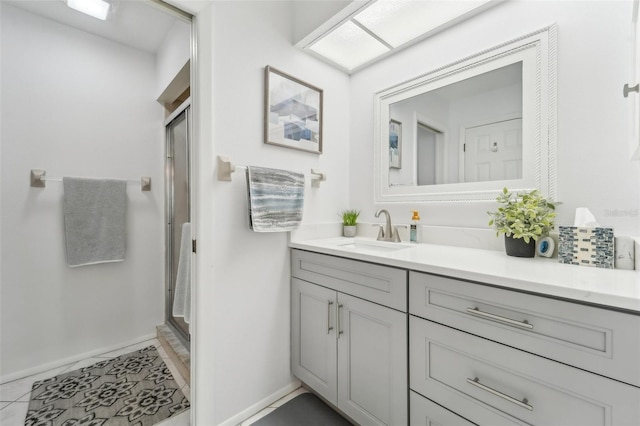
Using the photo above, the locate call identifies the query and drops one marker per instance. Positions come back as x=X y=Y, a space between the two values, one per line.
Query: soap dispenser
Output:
x=413 y=233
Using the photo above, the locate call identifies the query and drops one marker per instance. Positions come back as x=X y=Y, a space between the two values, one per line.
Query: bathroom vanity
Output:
x=395 y=334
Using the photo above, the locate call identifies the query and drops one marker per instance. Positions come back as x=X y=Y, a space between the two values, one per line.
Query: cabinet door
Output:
x=372 y=362
x=313 y=337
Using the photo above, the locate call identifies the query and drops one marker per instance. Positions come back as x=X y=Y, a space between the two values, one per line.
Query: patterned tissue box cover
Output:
x=586 y=246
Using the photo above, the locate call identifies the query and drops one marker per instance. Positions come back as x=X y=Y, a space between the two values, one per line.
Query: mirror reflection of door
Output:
x=493 y=151
x=430 y=155
x=486 y=99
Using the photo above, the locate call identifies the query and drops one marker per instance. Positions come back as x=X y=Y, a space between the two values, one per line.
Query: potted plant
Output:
x=522 y=219
x=349 y=220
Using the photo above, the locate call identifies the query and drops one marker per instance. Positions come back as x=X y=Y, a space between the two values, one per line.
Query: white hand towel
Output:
x=95 y=212
x=182 y=295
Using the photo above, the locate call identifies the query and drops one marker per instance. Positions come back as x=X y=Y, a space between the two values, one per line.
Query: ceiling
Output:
x=136 y=23
x=368 y=30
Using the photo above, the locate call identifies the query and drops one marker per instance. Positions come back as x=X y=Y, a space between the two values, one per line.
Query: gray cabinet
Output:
x=595 y=339
x=427 y=413
x=493 y=384
x=349 y=350
x=478 y=354
x=499 y=357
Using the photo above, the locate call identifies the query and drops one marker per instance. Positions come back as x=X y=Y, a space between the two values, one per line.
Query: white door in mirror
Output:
x=493 y=152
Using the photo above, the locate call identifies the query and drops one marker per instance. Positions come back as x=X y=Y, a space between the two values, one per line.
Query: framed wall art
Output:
x=395 y=144
x=293 y=112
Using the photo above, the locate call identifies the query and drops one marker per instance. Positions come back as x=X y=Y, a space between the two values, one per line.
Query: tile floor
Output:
x=273 y=406
x=14 y=396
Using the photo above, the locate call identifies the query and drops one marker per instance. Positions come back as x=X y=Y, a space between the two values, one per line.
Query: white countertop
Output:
x=614 y=288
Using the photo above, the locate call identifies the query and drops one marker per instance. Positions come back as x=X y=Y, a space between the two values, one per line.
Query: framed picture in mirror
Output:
x=293 y=112
x=395 y=144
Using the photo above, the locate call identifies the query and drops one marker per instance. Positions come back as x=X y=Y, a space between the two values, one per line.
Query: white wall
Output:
x=242 y=325
x=75 y=105
x=174 y=53
x=594 y=45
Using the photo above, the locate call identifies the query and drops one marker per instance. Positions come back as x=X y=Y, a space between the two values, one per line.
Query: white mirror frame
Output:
x=538 y=52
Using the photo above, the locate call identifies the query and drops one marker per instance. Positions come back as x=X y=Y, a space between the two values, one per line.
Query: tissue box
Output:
x=586 y=246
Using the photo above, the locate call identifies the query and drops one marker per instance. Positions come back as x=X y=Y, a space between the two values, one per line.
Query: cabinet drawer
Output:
x=492 y=384
x=598 y=340
x=380 y=284
x=426 y=413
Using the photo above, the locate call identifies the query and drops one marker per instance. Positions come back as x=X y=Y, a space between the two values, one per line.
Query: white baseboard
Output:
x=66 y=361
x=258 y=406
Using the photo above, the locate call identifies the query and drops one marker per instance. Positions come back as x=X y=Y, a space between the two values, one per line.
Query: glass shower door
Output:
x=178 y=206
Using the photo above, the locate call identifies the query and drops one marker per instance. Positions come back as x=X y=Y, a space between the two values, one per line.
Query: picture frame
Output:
x=395 y=144
x=293 y=112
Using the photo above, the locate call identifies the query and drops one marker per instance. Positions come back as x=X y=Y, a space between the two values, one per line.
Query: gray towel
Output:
x=276 y=199
x=94 y=220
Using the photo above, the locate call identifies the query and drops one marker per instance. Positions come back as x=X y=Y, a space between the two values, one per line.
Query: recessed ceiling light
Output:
x=384 y=26
x=349 y=45
x=96 y=8
x=400 y=21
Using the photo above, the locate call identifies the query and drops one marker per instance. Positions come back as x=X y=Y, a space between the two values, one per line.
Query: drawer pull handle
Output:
x=524 y=403
x=523 y=324
x=329 y=328
x=340 y=331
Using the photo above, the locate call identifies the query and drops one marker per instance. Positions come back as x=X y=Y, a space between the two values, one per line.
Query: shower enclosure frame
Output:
x=170 y=243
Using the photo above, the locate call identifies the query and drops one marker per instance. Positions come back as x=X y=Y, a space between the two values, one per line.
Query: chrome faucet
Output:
x=386 y=233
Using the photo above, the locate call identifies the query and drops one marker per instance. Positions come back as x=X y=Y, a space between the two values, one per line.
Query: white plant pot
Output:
x=349 y=231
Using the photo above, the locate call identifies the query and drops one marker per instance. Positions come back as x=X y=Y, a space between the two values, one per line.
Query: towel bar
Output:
x=38 y=178
x=226 y=167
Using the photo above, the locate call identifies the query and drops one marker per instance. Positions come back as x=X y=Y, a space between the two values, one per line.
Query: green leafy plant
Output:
x=528 y=215
x=349 y=217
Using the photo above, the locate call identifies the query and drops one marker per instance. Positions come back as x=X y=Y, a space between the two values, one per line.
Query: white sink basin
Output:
x=373 y=246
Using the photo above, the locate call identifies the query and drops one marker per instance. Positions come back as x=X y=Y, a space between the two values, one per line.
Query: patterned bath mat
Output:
x=136 y=389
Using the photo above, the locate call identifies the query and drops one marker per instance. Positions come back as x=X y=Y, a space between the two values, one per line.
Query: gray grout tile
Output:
x=17 y=389
x=130 y=348
x=272 y=407
x=175 y=373
x=186 y=390
x=163 y=353
x=81 y=364
x=14 y=414
x=182 y=419
x=289 y=397
x=257 y=416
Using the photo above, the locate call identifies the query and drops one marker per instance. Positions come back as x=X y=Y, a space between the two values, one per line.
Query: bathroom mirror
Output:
x=466 y=130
